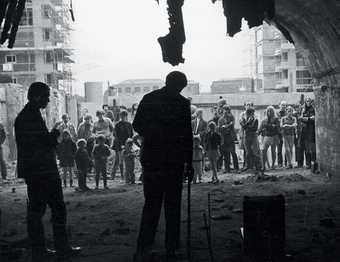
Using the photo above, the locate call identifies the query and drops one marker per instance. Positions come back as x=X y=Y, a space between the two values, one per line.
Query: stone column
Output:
x=327 y=103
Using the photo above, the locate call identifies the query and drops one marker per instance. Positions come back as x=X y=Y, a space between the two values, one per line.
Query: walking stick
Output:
x=189 y=220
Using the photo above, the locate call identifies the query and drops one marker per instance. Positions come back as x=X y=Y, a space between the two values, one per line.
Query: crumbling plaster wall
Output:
x=314 y=26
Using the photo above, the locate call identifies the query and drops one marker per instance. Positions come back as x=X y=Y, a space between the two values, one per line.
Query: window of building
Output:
x=49 y=78
x=120 y=90
x=259 y=51
x=300 y=60
x=137 y=89
x=27 y=17
x=47 y=34
x=49 y=57
x=259 y=35
x=146 y=89
x=11 y=59
x=284 y=57
x=303 y=74
x=128 y=89
x=284 y=74
x=154 y=87
x=303 y=77
x=46 y=11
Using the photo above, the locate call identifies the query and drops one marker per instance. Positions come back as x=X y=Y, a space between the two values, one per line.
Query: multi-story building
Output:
x=280 y=67
x=232 y=86
x=41 y=51
x=132 y=90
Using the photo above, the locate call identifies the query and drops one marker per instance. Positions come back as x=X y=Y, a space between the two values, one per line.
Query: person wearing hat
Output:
x=228 y=134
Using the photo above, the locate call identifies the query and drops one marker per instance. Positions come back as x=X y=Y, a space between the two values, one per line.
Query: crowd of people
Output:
x=101 y=146
x=175 y=143
x=289 y=129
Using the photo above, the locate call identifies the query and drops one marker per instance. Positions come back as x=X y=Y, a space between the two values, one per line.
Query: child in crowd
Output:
x=66 y=152
x=252 y=147
x=83 y=162
x=288 y=127
x=129 y=161
x=100 y=153
x=197 y=159
x=213 y=142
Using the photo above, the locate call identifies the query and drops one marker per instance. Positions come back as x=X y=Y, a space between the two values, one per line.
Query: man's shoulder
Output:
x=152 y=94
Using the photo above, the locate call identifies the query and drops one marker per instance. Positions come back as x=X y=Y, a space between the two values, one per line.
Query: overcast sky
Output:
x=117 y=40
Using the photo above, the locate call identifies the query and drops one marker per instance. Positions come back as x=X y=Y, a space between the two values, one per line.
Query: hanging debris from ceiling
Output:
x=254 y=11
x=11 y=12
x=172 y=43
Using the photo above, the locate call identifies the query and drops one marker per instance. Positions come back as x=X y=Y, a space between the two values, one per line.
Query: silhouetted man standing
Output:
x=37 y=165
x=163 y=120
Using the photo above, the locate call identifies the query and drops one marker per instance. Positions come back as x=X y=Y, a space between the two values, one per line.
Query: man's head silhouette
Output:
x=38 y=94
x=176 y=81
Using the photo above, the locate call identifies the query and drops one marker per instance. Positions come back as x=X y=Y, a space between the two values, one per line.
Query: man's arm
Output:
x=188 y=137
x=2 y=134
x=130 y=131
x=79 y=132
x=110 y=125
x=261 y=128
x=142 y=116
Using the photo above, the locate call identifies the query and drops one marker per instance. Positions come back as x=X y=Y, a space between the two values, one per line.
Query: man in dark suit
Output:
x=199 y=125
x=37 y=165
x=163 y=120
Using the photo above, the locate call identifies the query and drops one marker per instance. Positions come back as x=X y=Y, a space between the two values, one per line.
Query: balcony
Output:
x=281 y=66
x=277 y=52
x=287 y=46
x=17 y=67
x=282 y=83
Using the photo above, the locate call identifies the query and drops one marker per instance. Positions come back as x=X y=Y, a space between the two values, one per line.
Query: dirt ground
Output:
x=105 y=222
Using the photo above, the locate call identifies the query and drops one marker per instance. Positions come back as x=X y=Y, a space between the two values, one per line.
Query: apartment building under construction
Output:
x=41 y=51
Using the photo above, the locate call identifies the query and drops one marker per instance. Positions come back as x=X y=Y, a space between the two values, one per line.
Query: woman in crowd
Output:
x=269 y=130
x=288 y=127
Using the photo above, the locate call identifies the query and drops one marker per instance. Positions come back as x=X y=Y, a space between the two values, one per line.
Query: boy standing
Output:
x=66 y=153
x=197 y=159
x=213 y=143
x=83 y=162
x=101 y=152
x=129 y=160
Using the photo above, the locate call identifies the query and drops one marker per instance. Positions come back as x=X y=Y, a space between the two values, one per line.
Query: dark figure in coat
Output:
x=37 y=165
x=228 y=133
x=308 y=133
x=3 y=166
x=163 y=120
x=123 y=131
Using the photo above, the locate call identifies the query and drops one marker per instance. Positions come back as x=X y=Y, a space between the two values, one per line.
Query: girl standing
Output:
x=213 y=142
